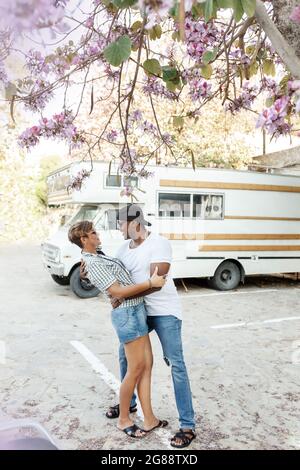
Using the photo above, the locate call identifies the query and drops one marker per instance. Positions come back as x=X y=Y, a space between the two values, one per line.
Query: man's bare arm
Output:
x=163 y=269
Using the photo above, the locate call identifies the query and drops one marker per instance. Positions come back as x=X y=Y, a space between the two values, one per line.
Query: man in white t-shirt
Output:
x=141 y=253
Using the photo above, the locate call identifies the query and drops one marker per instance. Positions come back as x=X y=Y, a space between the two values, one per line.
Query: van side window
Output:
x=113 y=181
x=131 y=181
x=208 y=206
x=174 y=205
x=112 y=219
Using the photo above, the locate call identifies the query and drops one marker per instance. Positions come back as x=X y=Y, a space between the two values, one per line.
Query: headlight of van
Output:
x=51 y=253
x=57 y=256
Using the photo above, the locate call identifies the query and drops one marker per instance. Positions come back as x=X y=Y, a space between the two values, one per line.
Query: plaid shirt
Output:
x=104 y=271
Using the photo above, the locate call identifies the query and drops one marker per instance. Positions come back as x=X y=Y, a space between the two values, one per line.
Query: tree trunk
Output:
x=284 y=48
x=288 y=28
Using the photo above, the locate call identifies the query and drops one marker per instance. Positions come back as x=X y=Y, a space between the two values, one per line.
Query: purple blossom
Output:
x=148 y=127
x=136 y=115
x=77 y=180
x=26 y=15
x=167 y=139
x=200 y=36
x=295 y=16
x=30 y=137
x=111 y=74
x=89 y=22
x=112 y=135
x=243 y=58
x=39 y=96
x=154 y=87
x=294 y=85
x=199 y=88
x=128 y=162
x=270 y=85
x=272 y=119
x=245 y=99
x=36 y=63
x=60 y=126
x=145 y=173
x=127 y=191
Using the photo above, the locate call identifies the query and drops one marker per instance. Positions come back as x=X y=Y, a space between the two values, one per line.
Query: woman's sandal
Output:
x=131 y=431
x=161 y=424
x=114 y=411
x=186 y=438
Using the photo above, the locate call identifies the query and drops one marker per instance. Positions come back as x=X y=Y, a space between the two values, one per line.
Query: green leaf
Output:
x=225 y=3
x=152 y=67
x=209 y=9
x=174 y=10
x=118 y=51
x=269 y=67
x=249 y=50
x=10 y=91
x=158 y=31
x=270 y=102
x=169 y=73
x=155 y=32
x=249 y=7
x=198 y=10
x=238 y=10
x=176 y=36
x=206 y=71
x=136 y=26
x=253 y=69
x=178 y=122
x=171 y=86
x=209 y=56
x=123 y=3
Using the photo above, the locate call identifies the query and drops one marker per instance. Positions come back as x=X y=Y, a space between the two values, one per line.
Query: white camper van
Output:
x=223 y=224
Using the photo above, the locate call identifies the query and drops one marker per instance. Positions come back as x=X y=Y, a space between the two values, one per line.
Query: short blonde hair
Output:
x=79 y=230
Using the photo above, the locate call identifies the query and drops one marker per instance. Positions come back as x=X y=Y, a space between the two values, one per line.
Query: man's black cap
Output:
x=132 y=212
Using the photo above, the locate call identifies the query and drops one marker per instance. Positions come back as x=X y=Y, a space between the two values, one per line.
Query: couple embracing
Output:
x=139 y=285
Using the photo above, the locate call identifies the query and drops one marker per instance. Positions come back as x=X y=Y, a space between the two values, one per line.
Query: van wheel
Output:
x=82 y=287
x=226 y=277
x=61 y=280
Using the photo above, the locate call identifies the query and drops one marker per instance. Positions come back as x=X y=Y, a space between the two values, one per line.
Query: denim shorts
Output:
x=130 y=323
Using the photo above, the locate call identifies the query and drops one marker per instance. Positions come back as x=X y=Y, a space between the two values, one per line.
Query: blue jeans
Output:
x=168 y=329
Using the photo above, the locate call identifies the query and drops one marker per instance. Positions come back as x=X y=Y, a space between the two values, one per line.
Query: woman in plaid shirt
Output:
x=111 y=277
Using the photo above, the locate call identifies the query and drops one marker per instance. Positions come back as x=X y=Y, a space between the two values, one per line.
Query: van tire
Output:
x=227 y=276
x=61 y=280
x=82 y=288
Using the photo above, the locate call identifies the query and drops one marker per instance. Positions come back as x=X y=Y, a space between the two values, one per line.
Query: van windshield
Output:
x=84 y=213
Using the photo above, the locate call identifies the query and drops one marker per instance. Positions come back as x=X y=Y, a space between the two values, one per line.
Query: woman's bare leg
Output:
x=135 y=354
x=144 y=388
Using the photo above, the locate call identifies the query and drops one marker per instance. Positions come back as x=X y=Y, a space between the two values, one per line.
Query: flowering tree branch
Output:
x=187 y=52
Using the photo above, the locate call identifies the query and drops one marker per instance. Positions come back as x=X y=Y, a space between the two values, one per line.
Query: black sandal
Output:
x=132 y=430
x=114 y=411
x=186 y=438
x=161 y=424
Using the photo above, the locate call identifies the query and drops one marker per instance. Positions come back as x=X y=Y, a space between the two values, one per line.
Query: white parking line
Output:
x=261 y=291
x=262 y=322
x=114 y=384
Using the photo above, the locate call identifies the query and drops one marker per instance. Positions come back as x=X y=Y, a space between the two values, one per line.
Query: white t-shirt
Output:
x=155 y=249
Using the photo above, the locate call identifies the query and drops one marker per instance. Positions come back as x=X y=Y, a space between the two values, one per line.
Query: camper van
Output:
x=223 y=224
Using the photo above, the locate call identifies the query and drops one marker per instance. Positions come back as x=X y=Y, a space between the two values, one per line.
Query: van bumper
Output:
x=54 y=268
